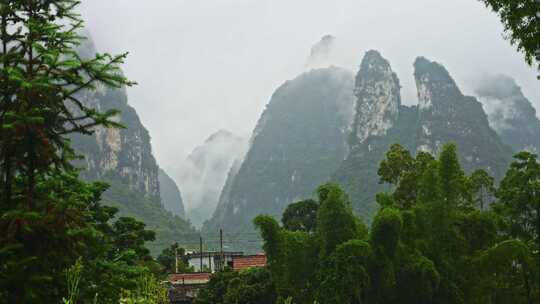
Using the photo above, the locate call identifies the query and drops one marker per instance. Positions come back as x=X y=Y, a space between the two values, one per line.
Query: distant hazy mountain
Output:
x=204 y=172
x=510 y=113
x=298 y=143
x=171 y=197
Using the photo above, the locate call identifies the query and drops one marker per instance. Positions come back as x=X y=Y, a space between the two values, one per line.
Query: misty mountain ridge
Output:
x=326 y=124
x=203 y=173
x=272 y=175
x=510 y=113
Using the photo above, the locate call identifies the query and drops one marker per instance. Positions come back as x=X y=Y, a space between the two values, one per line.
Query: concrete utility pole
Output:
x=200 y=247
x=222 y=259
x=176 y=259
x=210 y=261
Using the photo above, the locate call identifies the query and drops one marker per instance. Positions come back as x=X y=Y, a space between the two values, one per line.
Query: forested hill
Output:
x=124 y=159
x=299 y=141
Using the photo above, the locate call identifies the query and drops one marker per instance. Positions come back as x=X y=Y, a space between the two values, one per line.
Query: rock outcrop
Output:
x=378 y=98
x=379 y=121
x=443 y=115
x=446 y=115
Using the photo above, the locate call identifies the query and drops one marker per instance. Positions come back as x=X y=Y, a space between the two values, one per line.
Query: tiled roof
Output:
x=245 y=262
x=196 y=255
x=190 y=278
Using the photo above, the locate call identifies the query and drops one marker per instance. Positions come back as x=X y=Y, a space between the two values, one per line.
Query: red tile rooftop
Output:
x=241 y=263
x=190 y=278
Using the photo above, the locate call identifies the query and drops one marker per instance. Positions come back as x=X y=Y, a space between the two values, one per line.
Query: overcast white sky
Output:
x=203 y=65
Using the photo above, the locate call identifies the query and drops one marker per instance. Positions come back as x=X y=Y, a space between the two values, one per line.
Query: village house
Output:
x=211 y=261
x=184 y=287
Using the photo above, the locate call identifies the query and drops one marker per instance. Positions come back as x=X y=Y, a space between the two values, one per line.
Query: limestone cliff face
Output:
x=379 y=121
x=299 y=141
x=510 y=113
x=124 y=154
x=378 y=98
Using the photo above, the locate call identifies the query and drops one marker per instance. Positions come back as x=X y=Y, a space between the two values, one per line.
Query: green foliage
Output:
x=228 y=287
x=40 y=243
x=167 y=259
x=251 y=286
x=301 y=216
x=510 y=267
x=386 y=231
x=149 y=291
x=520 y=20
x=451 y=175
x=131 y=235
x=168 y=228
x=73 y=276
x=483 y=188
x=335 y=221
x=519 y=198
x=418 y=279
x=292 y=259
x=432 y=240
x=346 y=279
x=217 y=287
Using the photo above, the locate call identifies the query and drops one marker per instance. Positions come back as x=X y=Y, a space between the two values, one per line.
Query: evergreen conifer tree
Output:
x=46 y=213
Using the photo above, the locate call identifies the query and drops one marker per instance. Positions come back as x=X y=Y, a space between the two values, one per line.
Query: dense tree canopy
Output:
x=440 y=236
